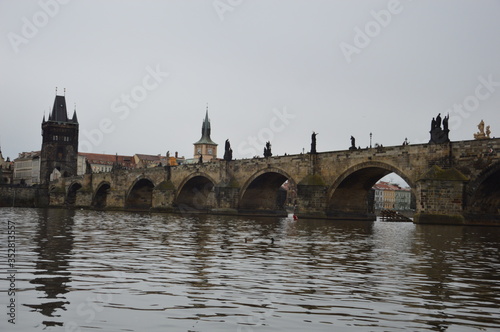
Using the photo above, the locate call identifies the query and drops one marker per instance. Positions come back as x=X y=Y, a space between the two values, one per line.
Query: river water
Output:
x=118 y=271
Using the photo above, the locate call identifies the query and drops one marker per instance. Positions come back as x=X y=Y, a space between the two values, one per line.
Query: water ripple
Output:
x=114 y=271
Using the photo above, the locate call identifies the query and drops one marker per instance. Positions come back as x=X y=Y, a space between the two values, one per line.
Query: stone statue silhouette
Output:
x=313 y=143
x=353 y=143
x=267 y=150
x=439 y=135
x=228 y=152
x=88 y=167
x=438 y=121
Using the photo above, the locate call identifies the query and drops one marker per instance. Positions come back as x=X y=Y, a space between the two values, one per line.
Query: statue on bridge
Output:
x=353 y=144
x=228 y=152
x=438 y=121
x=481 y=134
x=267 y=150
x=313 y=143
x=439 y=135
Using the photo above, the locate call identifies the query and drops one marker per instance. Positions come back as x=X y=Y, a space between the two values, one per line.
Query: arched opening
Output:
x=484 y=199
x=392 y=192
x=101 y=196
x=353 y=196
x=141 y=195
x=71 y=197
x=265 y=194
x=196 y=195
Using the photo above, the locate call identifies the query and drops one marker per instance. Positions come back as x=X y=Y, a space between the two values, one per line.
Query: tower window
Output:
x=60 y=153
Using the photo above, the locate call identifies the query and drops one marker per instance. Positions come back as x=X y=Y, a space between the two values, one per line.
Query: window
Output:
x=60 y=153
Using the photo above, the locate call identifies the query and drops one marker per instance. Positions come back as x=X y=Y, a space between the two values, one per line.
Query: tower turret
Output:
x=205 y=146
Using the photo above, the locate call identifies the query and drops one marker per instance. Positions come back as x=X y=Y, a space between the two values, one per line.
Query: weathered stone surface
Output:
x=22 y=196
x=447 y=179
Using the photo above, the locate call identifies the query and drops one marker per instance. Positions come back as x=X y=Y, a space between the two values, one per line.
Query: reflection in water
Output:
x=153 y=272
x=53 y=241
x=461 y=271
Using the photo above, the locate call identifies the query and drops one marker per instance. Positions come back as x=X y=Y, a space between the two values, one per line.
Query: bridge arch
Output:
x=261 y=192
x=71 y=193
x=483 y=193
x=140 y=194
x=99 y=200
x=348 y=196
x=196 y=193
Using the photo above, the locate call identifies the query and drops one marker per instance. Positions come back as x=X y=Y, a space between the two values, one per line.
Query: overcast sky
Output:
x=141 y=73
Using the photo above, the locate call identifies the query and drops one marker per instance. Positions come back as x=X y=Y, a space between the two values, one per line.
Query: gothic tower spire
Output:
x=205 y=146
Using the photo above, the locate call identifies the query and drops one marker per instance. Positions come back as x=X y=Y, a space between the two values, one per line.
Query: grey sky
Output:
x=268 y=69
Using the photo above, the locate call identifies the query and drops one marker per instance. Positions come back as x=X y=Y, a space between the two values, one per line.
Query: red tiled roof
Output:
x=386 y=186
x=149 y=157
x=107 y=159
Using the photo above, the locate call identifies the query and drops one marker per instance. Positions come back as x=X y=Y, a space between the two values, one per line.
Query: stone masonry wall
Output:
x=440 y=196
x=22 y=196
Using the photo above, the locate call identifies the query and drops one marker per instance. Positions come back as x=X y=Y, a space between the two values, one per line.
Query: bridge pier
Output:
x=227 y=196
x=83 y=198
x=311 y=197
x=115 y=199
x=57 y=196
x=163 y=196
x=440 y=197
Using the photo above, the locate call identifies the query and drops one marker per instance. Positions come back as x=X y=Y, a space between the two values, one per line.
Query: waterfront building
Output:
x=27 y=168
x=391 y=196
x=403 y=199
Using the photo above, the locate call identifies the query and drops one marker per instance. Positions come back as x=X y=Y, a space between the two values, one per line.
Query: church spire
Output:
x=205 y=128
x=206 y=131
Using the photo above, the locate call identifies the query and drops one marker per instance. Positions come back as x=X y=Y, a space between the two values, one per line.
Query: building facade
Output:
x=403 y=199
x=27 y=168
x=389 y=196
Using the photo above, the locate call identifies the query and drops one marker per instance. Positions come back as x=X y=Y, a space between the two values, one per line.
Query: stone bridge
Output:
x=456 y=182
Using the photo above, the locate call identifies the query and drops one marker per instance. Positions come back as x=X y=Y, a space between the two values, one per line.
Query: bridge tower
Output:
x=205 y=146
x=59 y=142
